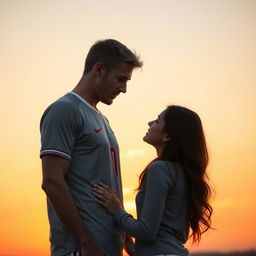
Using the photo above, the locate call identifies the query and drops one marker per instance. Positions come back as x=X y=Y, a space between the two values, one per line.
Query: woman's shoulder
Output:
x=162 y=172
x=163 y=166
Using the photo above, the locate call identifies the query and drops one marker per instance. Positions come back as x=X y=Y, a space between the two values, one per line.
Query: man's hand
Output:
x=129 y=245
x=90 y=249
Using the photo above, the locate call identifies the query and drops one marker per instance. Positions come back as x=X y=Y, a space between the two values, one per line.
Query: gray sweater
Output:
x=162 y=205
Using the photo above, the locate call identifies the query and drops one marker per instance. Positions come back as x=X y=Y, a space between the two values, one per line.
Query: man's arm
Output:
x=54 y=184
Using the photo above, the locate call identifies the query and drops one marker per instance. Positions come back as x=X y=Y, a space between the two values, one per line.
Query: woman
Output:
x=173 y=195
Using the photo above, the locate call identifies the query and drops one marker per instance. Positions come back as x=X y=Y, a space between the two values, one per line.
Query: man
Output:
x=79 y=150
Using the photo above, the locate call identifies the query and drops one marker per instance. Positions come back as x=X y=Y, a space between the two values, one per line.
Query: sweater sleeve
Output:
x=159 y=181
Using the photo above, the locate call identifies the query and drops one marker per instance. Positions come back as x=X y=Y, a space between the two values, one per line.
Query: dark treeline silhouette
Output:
x=233 y=253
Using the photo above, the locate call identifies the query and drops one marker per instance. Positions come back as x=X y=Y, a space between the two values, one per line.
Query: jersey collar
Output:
x=85 y=102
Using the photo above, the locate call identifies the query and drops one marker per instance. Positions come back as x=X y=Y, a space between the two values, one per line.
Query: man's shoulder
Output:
x=65 y=104
x=68 y=100
x=63 y=108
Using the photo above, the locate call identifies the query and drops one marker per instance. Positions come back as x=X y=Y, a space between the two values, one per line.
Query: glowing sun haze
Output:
x=199 y=54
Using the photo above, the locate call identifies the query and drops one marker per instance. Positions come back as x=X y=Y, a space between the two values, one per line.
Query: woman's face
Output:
x=155 y=135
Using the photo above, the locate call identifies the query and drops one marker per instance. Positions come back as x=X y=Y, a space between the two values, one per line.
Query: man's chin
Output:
x=107 y=102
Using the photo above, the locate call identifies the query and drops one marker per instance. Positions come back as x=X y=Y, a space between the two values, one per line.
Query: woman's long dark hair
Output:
x=188 y=147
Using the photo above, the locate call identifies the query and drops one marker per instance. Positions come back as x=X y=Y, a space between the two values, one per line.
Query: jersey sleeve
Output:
x=159 y=181
x=58 y=130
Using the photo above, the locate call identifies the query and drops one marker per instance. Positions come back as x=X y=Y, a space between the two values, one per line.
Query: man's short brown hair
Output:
x=111 y=53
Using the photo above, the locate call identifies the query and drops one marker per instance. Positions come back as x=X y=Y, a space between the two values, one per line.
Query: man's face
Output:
x=113 y=83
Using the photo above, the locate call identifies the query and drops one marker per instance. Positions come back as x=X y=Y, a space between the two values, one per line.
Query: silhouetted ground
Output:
x=234 y=253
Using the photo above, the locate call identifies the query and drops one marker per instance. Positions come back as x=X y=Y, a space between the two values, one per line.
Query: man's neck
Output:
x=85 y=90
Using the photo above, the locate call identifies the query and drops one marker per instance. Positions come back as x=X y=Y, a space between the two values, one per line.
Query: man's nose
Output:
x=123 y=88
x=150 y=123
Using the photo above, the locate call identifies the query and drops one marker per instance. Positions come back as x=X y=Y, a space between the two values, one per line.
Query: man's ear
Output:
x=166 y=138
x=99 y=68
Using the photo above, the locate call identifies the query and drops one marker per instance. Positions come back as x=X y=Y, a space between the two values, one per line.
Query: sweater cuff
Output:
x=118 y=215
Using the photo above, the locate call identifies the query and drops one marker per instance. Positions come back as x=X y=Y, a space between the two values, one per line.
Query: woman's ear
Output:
x=166 y=138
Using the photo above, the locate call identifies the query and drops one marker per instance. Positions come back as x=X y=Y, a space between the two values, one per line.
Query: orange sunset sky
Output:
x=197 y=53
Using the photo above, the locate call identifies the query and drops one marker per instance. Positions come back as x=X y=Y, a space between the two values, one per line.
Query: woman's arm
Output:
x=158 y=183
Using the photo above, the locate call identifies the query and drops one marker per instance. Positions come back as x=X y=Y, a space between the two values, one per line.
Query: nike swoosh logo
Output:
x=97 y=130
